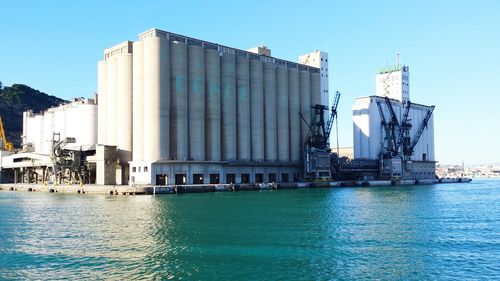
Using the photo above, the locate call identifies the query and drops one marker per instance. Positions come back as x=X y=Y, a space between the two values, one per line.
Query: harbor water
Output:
x=425 y=232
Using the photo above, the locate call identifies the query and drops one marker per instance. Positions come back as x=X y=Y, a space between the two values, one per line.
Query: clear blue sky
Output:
x=452 y=48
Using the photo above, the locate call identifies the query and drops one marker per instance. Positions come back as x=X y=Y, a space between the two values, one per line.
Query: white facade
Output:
x=319 y=59
x=115 y=99
x=369 y=134
x=394 y=82
x=77 y=119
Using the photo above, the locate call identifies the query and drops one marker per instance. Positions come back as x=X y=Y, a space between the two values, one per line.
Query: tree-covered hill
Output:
x=15 y=100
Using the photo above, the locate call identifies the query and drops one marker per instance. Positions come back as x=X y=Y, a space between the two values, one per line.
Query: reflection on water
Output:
x=415 y=232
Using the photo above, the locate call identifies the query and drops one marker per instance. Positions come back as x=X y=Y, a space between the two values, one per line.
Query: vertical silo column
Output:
x=271 y=132
x=111 y=101
x=282 y=109
x=156 y=98
x=315 y=89
x=257 y=114
x=213 y=107
x=196 y=82
x=101 y=102
x=138 y=102
x=179 y=114
x=305 y=105
x=228 y=85
x=243 y=107
x=124 y=106
x=294 y=109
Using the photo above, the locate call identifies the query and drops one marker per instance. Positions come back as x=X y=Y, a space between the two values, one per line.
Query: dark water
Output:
x=434 y=232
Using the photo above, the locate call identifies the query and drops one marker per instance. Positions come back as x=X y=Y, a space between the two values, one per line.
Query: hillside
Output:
x=18 y=98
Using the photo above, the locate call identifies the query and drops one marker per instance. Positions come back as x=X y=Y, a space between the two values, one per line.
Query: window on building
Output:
x=134 y=169
x=145 y=169
x=139 y=169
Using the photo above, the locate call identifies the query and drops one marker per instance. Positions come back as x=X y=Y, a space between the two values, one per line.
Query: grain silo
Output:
x=201 y=112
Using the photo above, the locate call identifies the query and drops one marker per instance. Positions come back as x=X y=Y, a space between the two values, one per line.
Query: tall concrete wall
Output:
x=305 y=105
x=138 y=102
x=270 y=125
x=156 y=98
x=213 y=106
x=196 y=109
x=228 y=90
x=282 y=114
x=243 y=108
x=293 y=113
x=257 y=114
x=179 y=111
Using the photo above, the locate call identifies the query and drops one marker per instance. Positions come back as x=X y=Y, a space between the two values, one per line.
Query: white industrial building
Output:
x=372 y=139
x=185 y=111
x=77 y=119
x=54 y=142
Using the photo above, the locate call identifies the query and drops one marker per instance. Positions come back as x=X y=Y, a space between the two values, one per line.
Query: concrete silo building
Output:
x=186 y=111
x=404 y=142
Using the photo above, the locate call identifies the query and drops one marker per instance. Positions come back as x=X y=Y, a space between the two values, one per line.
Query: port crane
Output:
x=8 y=146
x=316 y=147
x=397 y=144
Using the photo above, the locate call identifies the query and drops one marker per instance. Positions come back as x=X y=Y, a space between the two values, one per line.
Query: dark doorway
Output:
x=259 y=178
x=161 y=179
x=284 y=177
x=296 y=177
x=197 y=178
x=230 y=178
x=245 y=178
x=214 y=179
x=180 y=179
x=272 y=177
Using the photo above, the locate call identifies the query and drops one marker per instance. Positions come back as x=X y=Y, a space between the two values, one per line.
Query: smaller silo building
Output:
x=404 y=145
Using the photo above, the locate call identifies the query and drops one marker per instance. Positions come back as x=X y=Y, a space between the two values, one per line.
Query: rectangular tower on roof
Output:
x=394 y=82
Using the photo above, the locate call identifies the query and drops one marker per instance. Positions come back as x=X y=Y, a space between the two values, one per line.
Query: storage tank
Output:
x=282 y=114
x=156 y=98
x=48 y=130
x=305 y=104
x=243 y=89
x=85 y=121
x=138 y=101
x=271 y=133
x=257 y=109
x=179 y=114
x=294 y=109
x=111 y=129
x=101 y=101
x=124 y=106
x=196 y=82
x=315 y=89
x=228 y=81
x=213 y=102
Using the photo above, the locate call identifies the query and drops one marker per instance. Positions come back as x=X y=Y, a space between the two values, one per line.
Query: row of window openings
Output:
x=135 y=169
x=162 y=179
